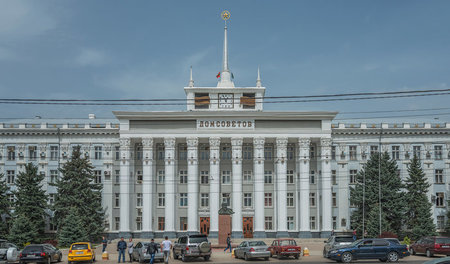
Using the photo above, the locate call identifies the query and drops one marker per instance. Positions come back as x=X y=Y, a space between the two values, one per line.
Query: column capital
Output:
x=258 y=142
x=282 y=141
x=169 y=143
x=214 y=142
x=325 y=142
x=147 y=143
x=125 y=142
x=192 y=142
x=281 y=149
x=304 y=142
x=236 y=141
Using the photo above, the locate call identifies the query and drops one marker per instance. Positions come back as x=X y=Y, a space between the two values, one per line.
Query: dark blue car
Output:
x=369 y=248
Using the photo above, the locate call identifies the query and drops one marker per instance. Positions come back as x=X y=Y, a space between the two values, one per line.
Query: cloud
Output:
x=91 y=57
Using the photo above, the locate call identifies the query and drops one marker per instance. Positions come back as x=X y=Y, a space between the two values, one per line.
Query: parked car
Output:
x=438 y=261
x=39 y=253
x=336 y=241
x=8 y=251
x=252 y=249
x=191 y=246
x=55 y=250
x=140 y=253
x=81 y=251
x=369 y=248
x=285 y=248
x=431 y=245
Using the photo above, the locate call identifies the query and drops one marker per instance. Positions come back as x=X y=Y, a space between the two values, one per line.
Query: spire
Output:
x=191 y=81
x=225 y=75
x=258 y=80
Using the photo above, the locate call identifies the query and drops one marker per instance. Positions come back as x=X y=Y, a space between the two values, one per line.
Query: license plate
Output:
x=80 y=252
x=445 y=246
x=291 y=249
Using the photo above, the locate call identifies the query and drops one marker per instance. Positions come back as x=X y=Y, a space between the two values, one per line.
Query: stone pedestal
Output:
x=224 y=228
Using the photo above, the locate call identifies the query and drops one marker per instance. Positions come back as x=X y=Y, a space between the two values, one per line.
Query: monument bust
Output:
x=224 y=210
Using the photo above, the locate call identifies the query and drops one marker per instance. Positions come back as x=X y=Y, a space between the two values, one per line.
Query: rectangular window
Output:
x=267 y=176
x=290 y=199
x=32 y=152
x=161 y=199
x=440 y=199
x=352 y=152
x=416 y=151
x=161 y=151
x=51 y=199
x=53 y=176
x=226 y=152
x=11 y=200
x=139 y=176
x=290 y=151
x=333 y=152
x=312 y=152
x=204 y=152
x=334 y=222
x=290 y=177
x=183 y=223
x=312 y=223
x=97 y=152
x=268 y=199
x=396 y=152
x=51 y=224
x=183 y=176
x=438 y=152
x=161 y=225
x=97 y=176
x=204 y=177
x=11 y=153
x=138 y=199
x=161 y=176
x=312 y=178
x=290 y=223
x=333 y=177
x=226 y=177
x=247 y=200
x=247 y=152
x=268 y=223
x=117 y=176
x=268 y=153
x=138 y=152
x=440 y=222
x=373 y=150
x=53 y=152
x=247 y=175
x=182 y=152
x=353 y=174
x=10 y=176
x=116 y=200
x=117 y=223
x=438 y=176
x=117 y=153
x=183 y=200
x=334 y=199
x=226 y=198
x=312 y=199
x=139 y=222
x=204 y=200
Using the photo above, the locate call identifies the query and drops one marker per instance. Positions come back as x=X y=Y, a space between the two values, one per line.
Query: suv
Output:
x=431 y=245
x=190 y=246
x=336 y=241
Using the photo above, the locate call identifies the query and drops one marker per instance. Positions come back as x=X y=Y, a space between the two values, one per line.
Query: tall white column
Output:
x=125 y=186
x=147 y=188
x=236 y=144
x=192 y=151
x=258 y=168
x=304 y=145
x=343 y=181
x=428 y=169
x=281 y=163
x=325 y=145
x=169 y=187
x=214 y=187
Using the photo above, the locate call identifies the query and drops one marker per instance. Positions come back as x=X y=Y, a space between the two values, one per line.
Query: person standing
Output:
x=166 y=246
x=121 y=246
x=130 y=249
x=228 y=243
x=152 y=249
x=354 y=234
x=104 y=243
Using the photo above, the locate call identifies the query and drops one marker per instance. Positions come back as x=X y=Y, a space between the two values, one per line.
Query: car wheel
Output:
x=175 y=256
x=347 y=257
x=392 y=256
x=206 y=258
x=411 y=250
x=297 y=256
x=60 y=258
x=246 y=257
x=429 y=254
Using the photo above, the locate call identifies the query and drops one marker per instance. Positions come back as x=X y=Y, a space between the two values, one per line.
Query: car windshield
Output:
x=256 y=243
x=288 y=243
x=343 y=239
x=198 y=239
x=443 y=240
x=33 y=249
x=393 y=240
x=80 y=246
x=354 y=244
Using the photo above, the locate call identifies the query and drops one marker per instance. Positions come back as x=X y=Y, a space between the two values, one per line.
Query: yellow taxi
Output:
x=81 y=251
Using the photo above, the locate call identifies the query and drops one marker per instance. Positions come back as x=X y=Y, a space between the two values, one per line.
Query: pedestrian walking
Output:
x=104 y=243
x=121 y=246
x=228 y=243
x=332 y=232
x=354 y=234
x=152 y=249
x=166 y=246
x=130 y=249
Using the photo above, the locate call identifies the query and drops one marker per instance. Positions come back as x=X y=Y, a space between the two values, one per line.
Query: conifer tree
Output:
x=4 y=207
x=29 y=205
x=72 y=229
x=419 y=217
x=77 y=189
x=378 y=169
x=23 y=231
x=373 y=222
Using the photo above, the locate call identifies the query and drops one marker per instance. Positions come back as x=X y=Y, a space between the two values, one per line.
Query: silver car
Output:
x=336 y=241
x=252 y=249
x=140 y=253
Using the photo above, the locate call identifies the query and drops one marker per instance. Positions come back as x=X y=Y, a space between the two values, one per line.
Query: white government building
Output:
x=168 y=173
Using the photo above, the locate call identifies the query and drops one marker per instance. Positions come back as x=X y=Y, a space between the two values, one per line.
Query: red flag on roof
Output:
x=218 y=75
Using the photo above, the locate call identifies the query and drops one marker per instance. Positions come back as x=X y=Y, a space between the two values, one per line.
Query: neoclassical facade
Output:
x=167 y=173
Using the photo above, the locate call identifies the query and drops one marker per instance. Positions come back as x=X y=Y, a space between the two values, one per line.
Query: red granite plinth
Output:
x=224 y=228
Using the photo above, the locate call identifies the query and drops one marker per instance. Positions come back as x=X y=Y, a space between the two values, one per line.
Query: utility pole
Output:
x=379 y=176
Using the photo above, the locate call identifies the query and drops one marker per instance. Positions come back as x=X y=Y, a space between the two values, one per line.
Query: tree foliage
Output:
x=72 y=229
x=4 y=207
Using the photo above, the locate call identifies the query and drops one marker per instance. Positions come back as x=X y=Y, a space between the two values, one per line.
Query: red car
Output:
x=285 y=248
x=431 y=245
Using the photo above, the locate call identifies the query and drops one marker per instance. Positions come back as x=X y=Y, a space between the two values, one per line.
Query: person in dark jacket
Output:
x=121 y=247
x=228 y=243
x=104 y=243
x=152 y=249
